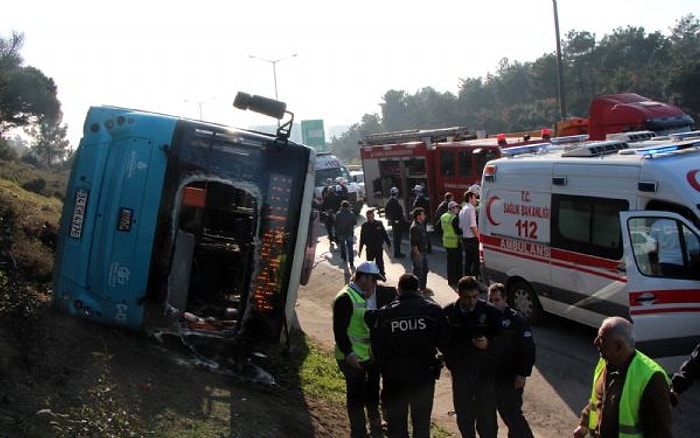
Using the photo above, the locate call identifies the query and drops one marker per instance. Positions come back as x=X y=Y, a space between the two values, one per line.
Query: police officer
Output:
x=406 y=336
x=470 y=357
x=517 y=357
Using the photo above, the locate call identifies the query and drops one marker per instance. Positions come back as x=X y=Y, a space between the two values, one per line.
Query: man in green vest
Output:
x=630 y=394
x=352 y=347
x=451 y=233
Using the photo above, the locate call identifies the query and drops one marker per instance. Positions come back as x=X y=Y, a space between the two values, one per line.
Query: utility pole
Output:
x=560 y=66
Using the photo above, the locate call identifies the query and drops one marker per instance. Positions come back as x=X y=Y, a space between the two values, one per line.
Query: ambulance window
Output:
x=447 y=163
x=465 y=164
x=588 y=225
x=666 y=248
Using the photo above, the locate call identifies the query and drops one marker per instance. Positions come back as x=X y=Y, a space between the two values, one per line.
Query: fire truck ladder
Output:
x=426 y=135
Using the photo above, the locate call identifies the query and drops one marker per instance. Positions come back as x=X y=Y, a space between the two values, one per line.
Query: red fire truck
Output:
x=440 y=160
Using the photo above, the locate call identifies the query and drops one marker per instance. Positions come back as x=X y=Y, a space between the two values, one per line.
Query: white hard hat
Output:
x=475 y=188
x=418 y=188
x=394 y=191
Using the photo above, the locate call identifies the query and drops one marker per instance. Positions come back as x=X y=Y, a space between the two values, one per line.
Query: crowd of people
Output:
x=403 y=339
x=392 y=343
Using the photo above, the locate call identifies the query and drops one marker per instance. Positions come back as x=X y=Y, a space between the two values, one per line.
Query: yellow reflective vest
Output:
x=638 y=375
x=358 y=332
x=450 y=239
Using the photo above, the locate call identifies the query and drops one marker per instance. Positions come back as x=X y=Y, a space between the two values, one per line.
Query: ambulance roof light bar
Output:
x=650 y=151
x=633 y=136
x=569 y=139
x=526 y=149
x=596 y=149
x=683 y=135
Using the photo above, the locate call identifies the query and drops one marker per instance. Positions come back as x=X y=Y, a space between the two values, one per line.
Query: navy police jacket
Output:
x=406 y=336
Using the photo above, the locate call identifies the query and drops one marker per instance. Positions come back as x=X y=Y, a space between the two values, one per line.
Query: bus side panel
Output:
x=124 y=229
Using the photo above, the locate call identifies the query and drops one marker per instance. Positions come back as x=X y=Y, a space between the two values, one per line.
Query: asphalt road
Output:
x=566 y=357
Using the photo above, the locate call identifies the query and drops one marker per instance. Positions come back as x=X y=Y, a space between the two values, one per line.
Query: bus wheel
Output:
x=522 y=298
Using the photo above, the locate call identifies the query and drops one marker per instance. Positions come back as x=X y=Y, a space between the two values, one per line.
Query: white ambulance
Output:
x=553 y=232
x=330 y=167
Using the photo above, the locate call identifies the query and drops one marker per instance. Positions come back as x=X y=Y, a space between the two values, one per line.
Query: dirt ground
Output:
x=74 y=378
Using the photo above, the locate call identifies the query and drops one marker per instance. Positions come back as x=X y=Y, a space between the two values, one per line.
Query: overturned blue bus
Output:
x=167 y=218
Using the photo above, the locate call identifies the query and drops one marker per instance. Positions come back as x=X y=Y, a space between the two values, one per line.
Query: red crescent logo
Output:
x=693 y=179
x=488 y=211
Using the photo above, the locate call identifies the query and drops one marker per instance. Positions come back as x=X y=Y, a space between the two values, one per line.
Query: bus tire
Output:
x=523 y=298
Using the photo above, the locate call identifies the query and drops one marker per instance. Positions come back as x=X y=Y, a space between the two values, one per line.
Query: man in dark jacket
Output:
x=345 y=222
x=373 y=235
x=405 y=338
x=422 y=201
x=395 y=215
x=688 y=372
x=442 y=209
x=330 y=205
x=470 y=357
x=419 y=247
x=516 y=359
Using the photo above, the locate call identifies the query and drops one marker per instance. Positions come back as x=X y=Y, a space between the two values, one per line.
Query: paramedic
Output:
x=470 y=234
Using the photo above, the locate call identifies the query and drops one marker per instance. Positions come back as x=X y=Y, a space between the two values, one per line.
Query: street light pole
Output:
x=560 y=66
x=274 y=67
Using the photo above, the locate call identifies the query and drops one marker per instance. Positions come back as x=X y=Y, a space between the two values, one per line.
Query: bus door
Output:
x=662 y=260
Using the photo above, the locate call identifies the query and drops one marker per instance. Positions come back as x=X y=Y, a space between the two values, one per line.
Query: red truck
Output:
x=440 y=160
x=626 y=112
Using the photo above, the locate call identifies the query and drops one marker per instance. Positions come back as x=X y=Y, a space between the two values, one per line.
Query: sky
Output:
x=183 y=58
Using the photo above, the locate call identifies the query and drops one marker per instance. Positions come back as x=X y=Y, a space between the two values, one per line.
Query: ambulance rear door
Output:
x=664 y=298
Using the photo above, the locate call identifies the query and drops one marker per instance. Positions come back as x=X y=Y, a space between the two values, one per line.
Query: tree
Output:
x=49 y=142
x=26 y=94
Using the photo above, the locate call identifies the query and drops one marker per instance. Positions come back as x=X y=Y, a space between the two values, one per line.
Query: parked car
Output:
x=359 y=177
